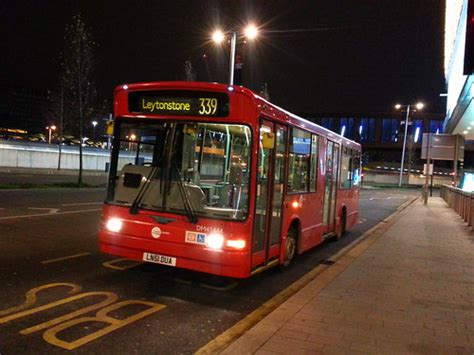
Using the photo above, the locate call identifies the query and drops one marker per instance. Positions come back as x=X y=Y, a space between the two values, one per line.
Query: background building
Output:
x=381 y=135
x=459 y=67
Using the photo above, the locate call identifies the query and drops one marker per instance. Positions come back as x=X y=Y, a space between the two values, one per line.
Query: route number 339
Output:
x=207 y=106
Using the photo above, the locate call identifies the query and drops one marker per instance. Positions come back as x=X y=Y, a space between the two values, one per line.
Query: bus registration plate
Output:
x=159 y=259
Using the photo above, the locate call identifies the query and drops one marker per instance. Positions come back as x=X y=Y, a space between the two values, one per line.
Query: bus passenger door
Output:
x=330 y=187
x=271 y=167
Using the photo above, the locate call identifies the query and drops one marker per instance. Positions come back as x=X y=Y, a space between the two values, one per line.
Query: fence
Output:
x=460 y=201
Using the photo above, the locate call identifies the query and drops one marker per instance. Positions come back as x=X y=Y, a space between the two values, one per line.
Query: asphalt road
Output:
x=56 y=283
x=22 y=176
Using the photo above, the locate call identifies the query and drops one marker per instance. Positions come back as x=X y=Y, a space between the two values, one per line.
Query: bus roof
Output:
x=264 y=104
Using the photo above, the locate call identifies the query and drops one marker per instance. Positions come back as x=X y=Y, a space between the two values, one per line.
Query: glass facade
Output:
x=367 y=130
x=346 y=127
x=436 y=126
x=390 y=128
x=328 y=122
x=417 y=130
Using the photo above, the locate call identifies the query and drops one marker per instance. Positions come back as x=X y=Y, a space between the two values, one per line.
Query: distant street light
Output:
x=50 y=129
x=419 y=106
x=218 y=36
x=94 y=124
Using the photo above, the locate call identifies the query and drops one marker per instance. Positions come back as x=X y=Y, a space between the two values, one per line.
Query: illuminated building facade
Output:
x=381 y=134
x=459 y=67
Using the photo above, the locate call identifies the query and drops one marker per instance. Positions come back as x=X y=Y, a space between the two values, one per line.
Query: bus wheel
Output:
x=342 y=230
x=290 y=247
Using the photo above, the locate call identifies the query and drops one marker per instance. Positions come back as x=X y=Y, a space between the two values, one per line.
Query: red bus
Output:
x=214 y=178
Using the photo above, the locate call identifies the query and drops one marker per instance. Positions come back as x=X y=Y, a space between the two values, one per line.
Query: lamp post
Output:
x=250 y=32
x=50 y=129
x=94 y=124
x=419 y=106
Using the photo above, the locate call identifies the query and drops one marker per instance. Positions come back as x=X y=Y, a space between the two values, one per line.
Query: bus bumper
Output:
x=218 y=262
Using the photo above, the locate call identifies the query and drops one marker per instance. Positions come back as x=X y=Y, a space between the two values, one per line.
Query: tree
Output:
x=189 y=72
x=77 y=68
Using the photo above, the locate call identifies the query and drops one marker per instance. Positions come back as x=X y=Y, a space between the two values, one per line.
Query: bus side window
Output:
x=346 y=169
x=356 y=168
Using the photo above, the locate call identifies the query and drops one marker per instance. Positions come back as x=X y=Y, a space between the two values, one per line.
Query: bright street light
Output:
x=419 y=106
x=50 y=129
x=251 y=32
x=94 y=124
x=218 y=36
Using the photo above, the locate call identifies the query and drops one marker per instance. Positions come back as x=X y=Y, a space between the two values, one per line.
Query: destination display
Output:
x=180 y=103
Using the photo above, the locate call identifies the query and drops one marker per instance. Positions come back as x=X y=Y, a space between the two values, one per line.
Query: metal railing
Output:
x=460 y=201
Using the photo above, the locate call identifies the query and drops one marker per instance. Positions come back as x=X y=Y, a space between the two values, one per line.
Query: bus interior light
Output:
x=236 y=243
x=215 y=241
x=114 y=225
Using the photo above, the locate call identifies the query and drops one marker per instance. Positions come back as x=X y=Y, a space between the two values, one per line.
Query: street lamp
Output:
x=94 y=124
x=50 y=129
x=419 y=106
x=218 y=36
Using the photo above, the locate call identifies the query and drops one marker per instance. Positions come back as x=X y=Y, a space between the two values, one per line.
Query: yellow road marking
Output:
x=110 y=298
x=69 y=320
x=131 y=263
x=55 y=304
x=64 y=258
x=51 y=334
x=31 y=298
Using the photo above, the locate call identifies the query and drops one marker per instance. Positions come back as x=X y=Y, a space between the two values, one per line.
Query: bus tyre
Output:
x=290 y=247
x=342 y=229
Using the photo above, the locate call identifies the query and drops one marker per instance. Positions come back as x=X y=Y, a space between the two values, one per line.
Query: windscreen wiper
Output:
x=182 y=190
x=142 y=191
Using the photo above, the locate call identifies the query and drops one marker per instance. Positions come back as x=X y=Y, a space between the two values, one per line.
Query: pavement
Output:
x=407 y=287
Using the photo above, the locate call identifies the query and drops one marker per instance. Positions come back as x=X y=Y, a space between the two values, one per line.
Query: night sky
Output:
x=316 y=56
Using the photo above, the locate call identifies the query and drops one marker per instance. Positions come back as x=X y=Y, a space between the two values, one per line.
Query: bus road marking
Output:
x=128 y=264
x=50 y=214
x=57 y=325
x=31 y=298
x=82 y=204
x=64 y=258
x=101 y=316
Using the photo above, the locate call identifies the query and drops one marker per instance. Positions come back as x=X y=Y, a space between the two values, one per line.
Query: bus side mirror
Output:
x=268 y=140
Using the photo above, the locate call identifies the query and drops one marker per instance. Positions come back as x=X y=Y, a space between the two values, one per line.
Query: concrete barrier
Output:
x=45 y=156
x=393 y=178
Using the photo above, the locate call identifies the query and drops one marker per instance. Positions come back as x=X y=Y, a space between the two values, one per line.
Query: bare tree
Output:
x=77 y=70
x=189 y=72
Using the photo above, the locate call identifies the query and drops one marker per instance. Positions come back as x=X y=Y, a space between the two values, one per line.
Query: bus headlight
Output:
x=114 y=225
x=215 y=241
